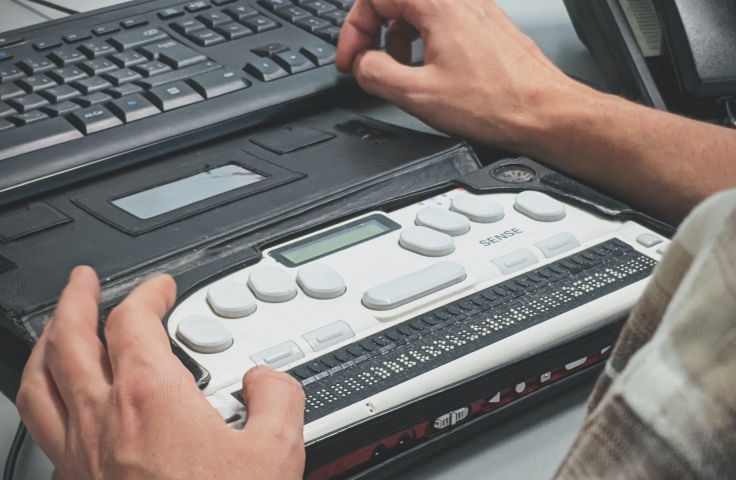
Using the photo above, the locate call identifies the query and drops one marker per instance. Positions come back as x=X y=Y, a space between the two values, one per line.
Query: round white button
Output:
x=271 y=284
x=443 y=221
x=230 y=299
x=539 y=207
x=204 y=335
x=478 y=209
x=320 y=281
x=427 y=242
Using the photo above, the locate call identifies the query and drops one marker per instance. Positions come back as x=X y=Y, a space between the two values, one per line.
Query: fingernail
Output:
x=77 y=271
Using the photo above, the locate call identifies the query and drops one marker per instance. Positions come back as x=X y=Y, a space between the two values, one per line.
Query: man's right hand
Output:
x=482 y=78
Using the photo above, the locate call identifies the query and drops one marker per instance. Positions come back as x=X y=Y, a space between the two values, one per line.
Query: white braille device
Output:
x=384 y=308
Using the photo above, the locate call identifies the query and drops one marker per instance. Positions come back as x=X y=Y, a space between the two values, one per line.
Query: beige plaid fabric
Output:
x=665 y=407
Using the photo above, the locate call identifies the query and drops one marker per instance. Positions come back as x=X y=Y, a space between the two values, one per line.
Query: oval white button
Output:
x=540 y=207
x=443 y=221
x=271 y=284
x=320 y=281
x=427 y=242
x=230 y=299
x=204 y=335
x=478 y=209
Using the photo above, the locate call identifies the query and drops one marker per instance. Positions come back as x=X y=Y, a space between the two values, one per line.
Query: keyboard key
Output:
x=6 y=110
x=77 y=37
x=24 y=119
x=292 y=14
x=121 y=77
x=60 y=93
x=133 y=23
x=5 y=125
x=137 y=38
x=329 y=34
x=241 y=12
x=177 y=75
x=60 y=109
x=312 y=24
x=335 y=17
x=94 y=119
x=96 y=67
x=233 y=31
x=206 y=38
x=274 y=5
x=28 y=103
x=128 y=59
x=67 y=56
x=67 y=74
x=319 y=55
x=265 y=70
x=343 y=4
x=173 y=54
x=186 y=27
x=96 y=48
x=105 y=30
x=123 y=90
x=218 y=83
x=169 y=13
x=270 y=50
x=36 y=83
x=174 y=96
x=10 y=72
x=133 y=108
x=94 y=99
x=35 y=137
x=5 y=55
x=91 y=85
x=260 y=24
x=151 y=68
x=5 y=41
x=197 y=6
x=293 y=62
x=46 y=45
x=222 y=2
x=10 y=90
x=213 y=19
x=319 y=7
x=32 y=66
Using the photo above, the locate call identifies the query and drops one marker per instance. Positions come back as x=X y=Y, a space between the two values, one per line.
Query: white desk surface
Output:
x=527 y=446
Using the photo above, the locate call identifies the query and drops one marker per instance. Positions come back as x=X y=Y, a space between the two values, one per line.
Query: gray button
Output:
x=320 y=281
x=279 y=355
x=204 y=335
x=539 y=207
x=427 y=242
x=271 y=284
x=560 y=243
x=414 y=286
x=663 y=249
x=231 y=299
x=515 y=261
x=648 y=240
x=443 y=221
x=328 y=336
x=478 y=209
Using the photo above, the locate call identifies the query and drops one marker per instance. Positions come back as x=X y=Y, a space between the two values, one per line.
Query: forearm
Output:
x=661 y=163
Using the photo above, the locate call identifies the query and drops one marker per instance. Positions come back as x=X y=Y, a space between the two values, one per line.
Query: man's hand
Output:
x=132 y=411
x=482 y=78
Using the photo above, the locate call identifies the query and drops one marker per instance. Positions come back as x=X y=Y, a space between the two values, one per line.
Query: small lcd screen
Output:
x=330 y=243
x=187 y=191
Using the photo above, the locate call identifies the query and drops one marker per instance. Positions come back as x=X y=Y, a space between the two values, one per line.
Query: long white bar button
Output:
x=328 y=336
x=230 y=299
x=279 y=355
x=515 y=261
x=272 y=285
x=427 y=242
x=477 y=209
x=539 y=207
x=444 y=221
x=204 y=335
x=414 y=286
x=560 y=243
x=320 y=281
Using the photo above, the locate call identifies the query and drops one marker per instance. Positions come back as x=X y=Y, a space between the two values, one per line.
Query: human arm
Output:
x=484 y=79
x=132 y=411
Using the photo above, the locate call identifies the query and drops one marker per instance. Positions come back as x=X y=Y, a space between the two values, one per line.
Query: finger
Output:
x=40 y=405
x=275 y=404
x=379 y=74
x=74 y=353
x=399 y=39
x=134 y=331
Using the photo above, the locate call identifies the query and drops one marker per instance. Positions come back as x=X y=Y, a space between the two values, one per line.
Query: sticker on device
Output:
x=487 y=242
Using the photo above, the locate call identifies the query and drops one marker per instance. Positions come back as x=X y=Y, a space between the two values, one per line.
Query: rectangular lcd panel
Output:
x=341 y=238
x=187 y=191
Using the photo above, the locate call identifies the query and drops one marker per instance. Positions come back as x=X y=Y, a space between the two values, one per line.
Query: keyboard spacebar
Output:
x=176 y=75
x=17 y=141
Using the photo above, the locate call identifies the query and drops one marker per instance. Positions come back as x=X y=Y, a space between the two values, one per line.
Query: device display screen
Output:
x=187 y=191
x=336 y=240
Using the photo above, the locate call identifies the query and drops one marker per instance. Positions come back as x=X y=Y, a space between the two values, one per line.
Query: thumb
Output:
x=380 y=74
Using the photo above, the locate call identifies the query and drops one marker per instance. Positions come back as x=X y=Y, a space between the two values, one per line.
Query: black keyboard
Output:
x=100 y=91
